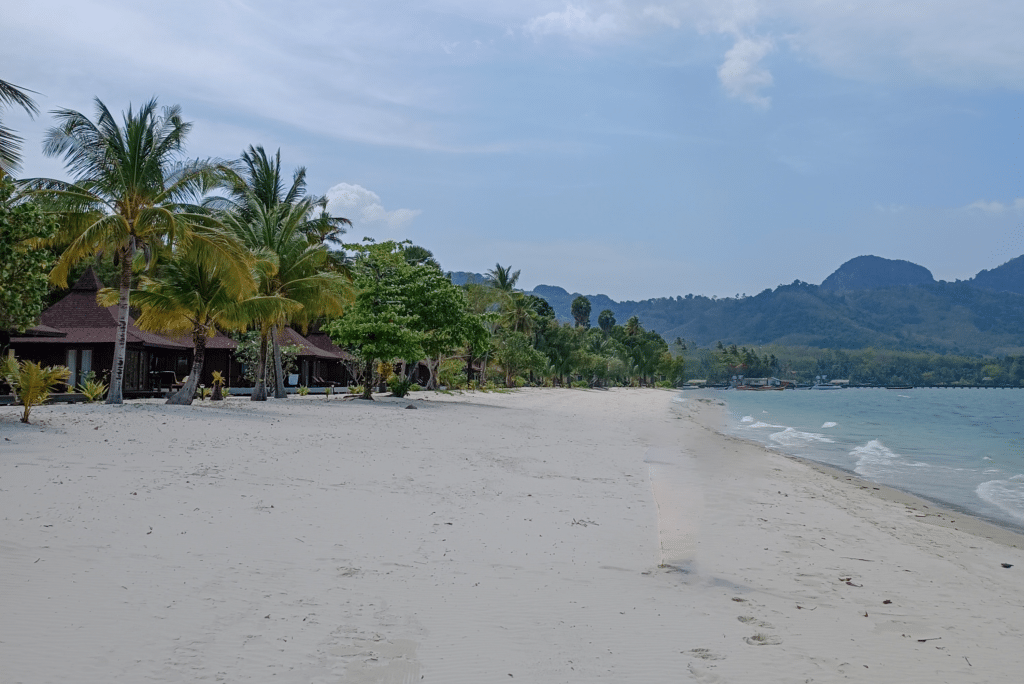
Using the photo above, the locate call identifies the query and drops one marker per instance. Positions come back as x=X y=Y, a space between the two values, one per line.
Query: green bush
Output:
x=399 y=386
x=581 y=384
x=303 y=390
x=664 y=383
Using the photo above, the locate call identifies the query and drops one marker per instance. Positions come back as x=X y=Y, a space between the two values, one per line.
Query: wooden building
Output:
x=79 y=333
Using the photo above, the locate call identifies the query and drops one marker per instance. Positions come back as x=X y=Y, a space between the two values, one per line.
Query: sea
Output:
x=963 y=448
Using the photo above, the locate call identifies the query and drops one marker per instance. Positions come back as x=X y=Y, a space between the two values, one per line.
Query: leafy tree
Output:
x=132 y=194
x=606 y=321
x=401 y=311
x=516 y=355
x=10 y=142
x=581 y=311
x=23 y=268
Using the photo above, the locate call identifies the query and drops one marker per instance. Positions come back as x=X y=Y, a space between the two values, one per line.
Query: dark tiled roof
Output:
x=42 y=331
x=83 y=321
x=289 y=336
x=105 y=335
x=218 y=341
x=323 y=341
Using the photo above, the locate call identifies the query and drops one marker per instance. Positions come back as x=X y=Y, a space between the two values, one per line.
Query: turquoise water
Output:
x=961 y=447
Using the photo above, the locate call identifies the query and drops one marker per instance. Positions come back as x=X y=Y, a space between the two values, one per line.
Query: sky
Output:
x=636 y=149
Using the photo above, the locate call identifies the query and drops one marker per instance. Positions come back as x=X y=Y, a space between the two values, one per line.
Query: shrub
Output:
x=93 y=389
x=31 y=382
x=399 y=386
x=303 y=390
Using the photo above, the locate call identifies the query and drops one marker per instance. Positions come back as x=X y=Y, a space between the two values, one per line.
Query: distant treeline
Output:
x=860 y=366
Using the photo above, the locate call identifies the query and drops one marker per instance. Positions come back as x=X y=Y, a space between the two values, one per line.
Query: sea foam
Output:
x=874 y=459
x=1007 y=495
x=829 y=424
x=791 y=437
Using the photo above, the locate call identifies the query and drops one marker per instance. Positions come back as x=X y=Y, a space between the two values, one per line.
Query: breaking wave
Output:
x=874 y=459
x=1007 y=495
x=791 y=437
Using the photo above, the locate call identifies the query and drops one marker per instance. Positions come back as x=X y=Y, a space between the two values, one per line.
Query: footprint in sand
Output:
x=760 y=639
x=751 y=620
x=702 y=675
x=705 y=654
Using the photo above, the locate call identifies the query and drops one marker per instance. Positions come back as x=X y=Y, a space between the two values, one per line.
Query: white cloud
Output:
x=363 y=207
x=742 y=74
x=993 y=207
x=575 y=21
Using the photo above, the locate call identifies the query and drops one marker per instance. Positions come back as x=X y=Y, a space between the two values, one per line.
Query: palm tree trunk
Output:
x=279 y=391
x=368 y=381
x=184 y=396
x=259 y=392
x=115 y=395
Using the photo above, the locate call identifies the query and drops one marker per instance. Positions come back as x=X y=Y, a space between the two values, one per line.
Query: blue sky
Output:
x=635 y=149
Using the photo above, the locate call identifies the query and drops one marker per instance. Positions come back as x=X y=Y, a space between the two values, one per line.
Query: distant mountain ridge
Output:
x=867 y=302
x=872 y=272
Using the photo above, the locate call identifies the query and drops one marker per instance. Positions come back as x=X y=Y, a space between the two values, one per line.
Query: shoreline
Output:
x=481 y=536
x=945 y=514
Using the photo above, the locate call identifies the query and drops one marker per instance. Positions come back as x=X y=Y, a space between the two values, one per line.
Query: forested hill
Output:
x=867 y=302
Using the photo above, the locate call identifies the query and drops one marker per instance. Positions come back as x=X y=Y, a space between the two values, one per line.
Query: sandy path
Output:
x=480 y=538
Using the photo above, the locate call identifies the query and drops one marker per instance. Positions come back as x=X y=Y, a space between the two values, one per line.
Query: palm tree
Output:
x=503 y=278
x=290 y=268
x=190 y=296
x=132 y=194
x=31 y=382
x=10 y=142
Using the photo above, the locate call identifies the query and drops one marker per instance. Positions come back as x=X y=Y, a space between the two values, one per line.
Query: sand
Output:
x=479 y=538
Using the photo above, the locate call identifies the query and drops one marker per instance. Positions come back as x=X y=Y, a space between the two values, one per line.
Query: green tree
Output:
x=23 y=268
x=401 y=311
x=516 y=356
x=10 y=142
x=132 y=194
x=606 y=321
x=581 y=311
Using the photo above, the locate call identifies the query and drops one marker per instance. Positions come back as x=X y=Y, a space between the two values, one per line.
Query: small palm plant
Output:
x=218 y=386
x=93 y=389
x=303 y=390
x=31 y=382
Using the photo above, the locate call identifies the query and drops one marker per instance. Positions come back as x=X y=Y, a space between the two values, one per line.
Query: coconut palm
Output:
x=10 y=142
x=503 y=278
x=292 y=228
x=290 y=270
x=192 y=296
x=132 y=194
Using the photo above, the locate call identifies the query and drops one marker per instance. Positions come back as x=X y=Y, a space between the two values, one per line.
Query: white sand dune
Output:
x=480 y=538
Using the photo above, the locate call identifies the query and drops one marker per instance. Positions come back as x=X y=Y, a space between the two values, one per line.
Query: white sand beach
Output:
x=479 y=538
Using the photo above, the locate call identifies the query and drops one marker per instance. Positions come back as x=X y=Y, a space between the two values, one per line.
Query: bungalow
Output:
x=79 y=333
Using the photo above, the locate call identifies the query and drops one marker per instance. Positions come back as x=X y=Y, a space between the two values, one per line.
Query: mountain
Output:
x=1006 y=278
x=867 y=302
x=463 y=277
x=871 y=272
